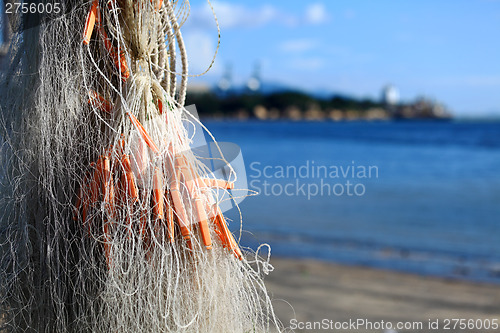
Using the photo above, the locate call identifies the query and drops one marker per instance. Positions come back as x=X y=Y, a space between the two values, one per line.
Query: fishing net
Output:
x=109 y=220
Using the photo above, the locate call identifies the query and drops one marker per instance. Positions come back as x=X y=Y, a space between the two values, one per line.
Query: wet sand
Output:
x=309 y=291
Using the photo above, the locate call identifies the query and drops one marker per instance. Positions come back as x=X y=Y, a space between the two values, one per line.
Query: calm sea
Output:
x=424 y=196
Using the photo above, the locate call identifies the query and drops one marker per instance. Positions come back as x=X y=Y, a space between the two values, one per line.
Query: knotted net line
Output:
x=108 y=220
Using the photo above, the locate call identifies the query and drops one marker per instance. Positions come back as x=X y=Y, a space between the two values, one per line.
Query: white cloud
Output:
x=316 y=14
x=346 y=55
x=200 y=48
x=482 y=81
x=231 y=15
x=308 y=63
x=473 y=81
x=298 y=45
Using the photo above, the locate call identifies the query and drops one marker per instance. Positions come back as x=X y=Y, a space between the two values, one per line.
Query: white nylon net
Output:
x=108 y=220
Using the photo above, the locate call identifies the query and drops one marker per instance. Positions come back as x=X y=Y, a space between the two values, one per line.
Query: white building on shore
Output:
x=390 y=95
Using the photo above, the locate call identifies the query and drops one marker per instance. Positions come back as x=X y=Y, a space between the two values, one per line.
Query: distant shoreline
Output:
x=471 y=120
x=296 y=106
x=233 y=117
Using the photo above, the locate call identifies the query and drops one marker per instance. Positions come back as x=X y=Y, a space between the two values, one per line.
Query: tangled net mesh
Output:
x=108 y=220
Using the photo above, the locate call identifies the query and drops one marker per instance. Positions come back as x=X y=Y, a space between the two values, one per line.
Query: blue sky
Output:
x=448 y=50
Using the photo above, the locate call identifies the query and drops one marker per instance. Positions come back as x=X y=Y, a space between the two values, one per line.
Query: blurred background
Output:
x=317 y=94
x=410 y=90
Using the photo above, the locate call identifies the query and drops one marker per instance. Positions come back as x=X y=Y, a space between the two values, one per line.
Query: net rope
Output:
x=108 y=220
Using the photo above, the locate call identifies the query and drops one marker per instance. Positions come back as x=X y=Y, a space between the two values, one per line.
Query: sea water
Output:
x=430 y=205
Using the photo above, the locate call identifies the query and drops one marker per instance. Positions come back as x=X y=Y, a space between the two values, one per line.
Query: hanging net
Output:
x=109 y=220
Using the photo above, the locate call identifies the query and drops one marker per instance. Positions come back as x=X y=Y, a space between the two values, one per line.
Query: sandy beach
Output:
x=308 y=291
